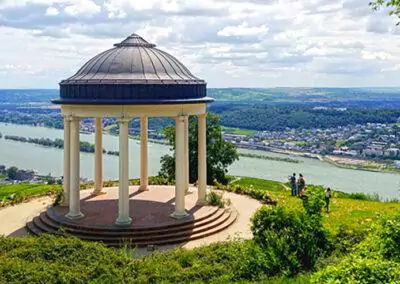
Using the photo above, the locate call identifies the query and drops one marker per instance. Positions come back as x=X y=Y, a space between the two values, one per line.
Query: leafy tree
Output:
x=12 y=173
x=392 y=5
x=220 y=154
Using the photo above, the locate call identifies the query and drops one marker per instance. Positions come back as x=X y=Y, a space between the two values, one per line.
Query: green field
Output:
x=239 y=131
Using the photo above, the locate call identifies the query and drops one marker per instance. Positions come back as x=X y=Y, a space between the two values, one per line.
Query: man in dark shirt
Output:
x=293 y=184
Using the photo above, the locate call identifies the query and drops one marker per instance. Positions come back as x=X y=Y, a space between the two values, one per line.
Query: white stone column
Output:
x=144 y=164
x=202 y=159
x=179 y=168
x=67 y=159
x=98 y=162
x=186 y=141
x=74 y=199
x=123 y=197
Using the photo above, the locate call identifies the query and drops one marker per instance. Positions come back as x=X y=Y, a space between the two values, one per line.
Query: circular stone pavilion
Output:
x=132 y=80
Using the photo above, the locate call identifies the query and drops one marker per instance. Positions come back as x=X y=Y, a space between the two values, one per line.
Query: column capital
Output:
x=203 y=115
x=70 y=117
x=181 y=117
x=123 y=119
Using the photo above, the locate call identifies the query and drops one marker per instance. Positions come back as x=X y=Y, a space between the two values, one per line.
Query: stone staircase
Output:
x=176 y=231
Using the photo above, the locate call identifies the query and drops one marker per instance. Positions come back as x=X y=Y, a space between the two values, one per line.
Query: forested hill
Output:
x=257 y=109
x=266 y=117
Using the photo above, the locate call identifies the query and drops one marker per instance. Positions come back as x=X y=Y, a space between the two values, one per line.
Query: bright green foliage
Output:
x=313 y=201
x=292 y=240
x=215 y=199
x=50 y=259
x=375 y=260
x=220 y=154
x=360 y=270
x=390 y=235
x=393 y=5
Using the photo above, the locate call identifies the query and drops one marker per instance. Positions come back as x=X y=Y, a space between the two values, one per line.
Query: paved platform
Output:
x=150 y=211
x=14 y=219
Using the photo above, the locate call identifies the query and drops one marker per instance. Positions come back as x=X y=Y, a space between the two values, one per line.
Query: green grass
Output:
x=239 y=131
x=345 y=211
x=16 y=193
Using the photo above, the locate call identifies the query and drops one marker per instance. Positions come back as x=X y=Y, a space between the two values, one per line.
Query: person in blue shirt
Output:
x=293 y=184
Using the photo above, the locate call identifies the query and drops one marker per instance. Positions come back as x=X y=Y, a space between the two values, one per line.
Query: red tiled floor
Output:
x=148 y=209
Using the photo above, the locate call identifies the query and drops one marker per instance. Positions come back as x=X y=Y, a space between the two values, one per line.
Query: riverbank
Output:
x=360 y=165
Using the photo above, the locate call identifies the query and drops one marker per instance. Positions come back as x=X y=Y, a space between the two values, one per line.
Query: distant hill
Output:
x=304 y=95
x=246 y=95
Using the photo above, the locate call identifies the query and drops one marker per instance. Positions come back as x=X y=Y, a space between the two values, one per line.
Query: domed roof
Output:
x=133 y=72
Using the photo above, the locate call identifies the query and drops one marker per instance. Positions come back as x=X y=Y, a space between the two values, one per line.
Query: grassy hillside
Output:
x=347 y=210
x=16 y=193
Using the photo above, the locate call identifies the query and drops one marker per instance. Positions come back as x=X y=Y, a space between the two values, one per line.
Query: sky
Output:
x=228 y=43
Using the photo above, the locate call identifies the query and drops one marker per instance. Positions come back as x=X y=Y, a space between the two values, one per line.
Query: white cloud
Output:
x=86 y=8
x=51 y=11
x=227 y=42
x=243 y=30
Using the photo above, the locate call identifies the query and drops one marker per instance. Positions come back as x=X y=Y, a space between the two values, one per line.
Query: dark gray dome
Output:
x=133 y=72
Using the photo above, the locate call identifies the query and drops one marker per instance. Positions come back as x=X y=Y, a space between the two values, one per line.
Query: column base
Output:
x=123 y=221
x=64 y=202
x=74 y=216
x=144 y=188
x=179 y=215
x=97 y=192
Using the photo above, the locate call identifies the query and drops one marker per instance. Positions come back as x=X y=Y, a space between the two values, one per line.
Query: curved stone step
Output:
x=37 y=226
x=133 y=233
x=52 y=215
x=132 y=236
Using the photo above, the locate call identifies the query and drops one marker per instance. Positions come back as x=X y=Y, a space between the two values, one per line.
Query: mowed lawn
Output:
x=351 y=213
x=27 y=190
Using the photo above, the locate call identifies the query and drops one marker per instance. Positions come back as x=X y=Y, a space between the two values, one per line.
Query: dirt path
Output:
x=14 y=218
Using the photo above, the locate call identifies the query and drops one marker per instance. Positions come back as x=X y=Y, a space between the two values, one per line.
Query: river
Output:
x=50 y=160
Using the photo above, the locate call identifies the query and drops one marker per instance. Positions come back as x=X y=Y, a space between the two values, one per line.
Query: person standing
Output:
x=293 y=184
x=301 y=183
x=328 y=196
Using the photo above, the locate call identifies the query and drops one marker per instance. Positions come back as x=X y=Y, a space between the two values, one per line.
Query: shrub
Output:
x=390 y=237
x=346 y=238
x=313 y=202
x=215 y=199
x=359 y=270
x=293 y=240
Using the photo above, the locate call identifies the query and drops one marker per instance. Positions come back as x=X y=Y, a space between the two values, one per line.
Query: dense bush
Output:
x=215 y=199
x=374 y=260
x=292 y=240
x=313 y=201
x=360 y=270
x=50 y=259
x=389 y=233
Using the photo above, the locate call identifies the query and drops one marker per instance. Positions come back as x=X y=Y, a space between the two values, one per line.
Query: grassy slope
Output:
x=26 y=191
x=344 y=211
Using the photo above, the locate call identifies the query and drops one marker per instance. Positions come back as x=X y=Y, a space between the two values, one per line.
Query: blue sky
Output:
x=229 y=43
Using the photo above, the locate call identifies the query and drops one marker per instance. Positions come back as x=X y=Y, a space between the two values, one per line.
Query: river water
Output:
x=50 y=160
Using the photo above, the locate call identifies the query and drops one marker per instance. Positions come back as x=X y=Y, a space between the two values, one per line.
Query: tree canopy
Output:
x=220 y=154
x=392 y=5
